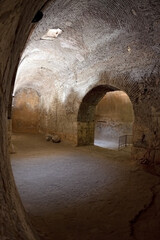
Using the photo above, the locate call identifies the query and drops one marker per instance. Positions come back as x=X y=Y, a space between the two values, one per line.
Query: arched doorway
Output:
x=87 y=112
x=114 y=119
x=15 y=29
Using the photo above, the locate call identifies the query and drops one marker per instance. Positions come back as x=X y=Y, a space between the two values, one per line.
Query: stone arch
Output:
x=86 y=113
x=16 y=18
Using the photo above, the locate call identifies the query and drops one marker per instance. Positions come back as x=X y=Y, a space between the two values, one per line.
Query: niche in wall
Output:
x=25 y=111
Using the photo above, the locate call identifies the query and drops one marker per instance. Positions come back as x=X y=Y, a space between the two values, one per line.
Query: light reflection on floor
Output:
x=110 y=144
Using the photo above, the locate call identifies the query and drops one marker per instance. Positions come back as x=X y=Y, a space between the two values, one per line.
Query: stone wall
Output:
x=105 y=51
x=112 y=43
x=26 y=112
x=115 y=106
x=15 y=25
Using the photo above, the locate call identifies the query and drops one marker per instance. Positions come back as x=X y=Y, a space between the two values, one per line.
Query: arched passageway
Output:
x=114 y=119
x=88 y=117
x=86 y=114
x=129 y=45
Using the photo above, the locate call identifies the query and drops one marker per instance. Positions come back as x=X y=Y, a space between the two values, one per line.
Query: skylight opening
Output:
x=51 y=34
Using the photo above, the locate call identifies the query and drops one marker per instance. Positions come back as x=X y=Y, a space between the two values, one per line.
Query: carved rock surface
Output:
x=113 y=43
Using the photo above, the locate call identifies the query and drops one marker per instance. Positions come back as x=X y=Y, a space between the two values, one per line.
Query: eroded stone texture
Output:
x=109 y=43
x=112 y=43
x=10 y=144
x=26 y=112
x=15 y=24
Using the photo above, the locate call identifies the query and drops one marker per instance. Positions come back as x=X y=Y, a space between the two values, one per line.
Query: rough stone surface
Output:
x=54 y=138
x=113 y=43
x=15 y=25
x=10 y=144
x=26 y=112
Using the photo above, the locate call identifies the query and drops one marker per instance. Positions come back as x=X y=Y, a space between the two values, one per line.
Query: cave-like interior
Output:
x=79 y=104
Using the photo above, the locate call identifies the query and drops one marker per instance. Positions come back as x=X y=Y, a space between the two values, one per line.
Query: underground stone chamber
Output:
x=113 y=43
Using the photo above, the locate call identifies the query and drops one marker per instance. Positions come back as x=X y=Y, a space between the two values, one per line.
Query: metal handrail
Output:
x=124 y=141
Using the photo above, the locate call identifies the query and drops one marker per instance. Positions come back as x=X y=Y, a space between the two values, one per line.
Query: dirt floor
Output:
x=85 y=193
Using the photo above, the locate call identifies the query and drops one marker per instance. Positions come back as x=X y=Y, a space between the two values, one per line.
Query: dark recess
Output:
x=37 y=17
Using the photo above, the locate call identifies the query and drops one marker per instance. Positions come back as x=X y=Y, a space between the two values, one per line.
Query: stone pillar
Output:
x=85 y=133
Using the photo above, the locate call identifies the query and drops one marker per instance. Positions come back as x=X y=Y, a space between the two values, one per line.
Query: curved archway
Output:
x=16 y=18
x=86 y=114
x=114 y=117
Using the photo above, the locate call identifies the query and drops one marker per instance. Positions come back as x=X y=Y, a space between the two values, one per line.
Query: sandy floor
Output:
x=85 y=193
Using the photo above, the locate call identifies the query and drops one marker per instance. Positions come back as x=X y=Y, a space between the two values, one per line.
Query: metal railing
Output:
x=124 y=141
